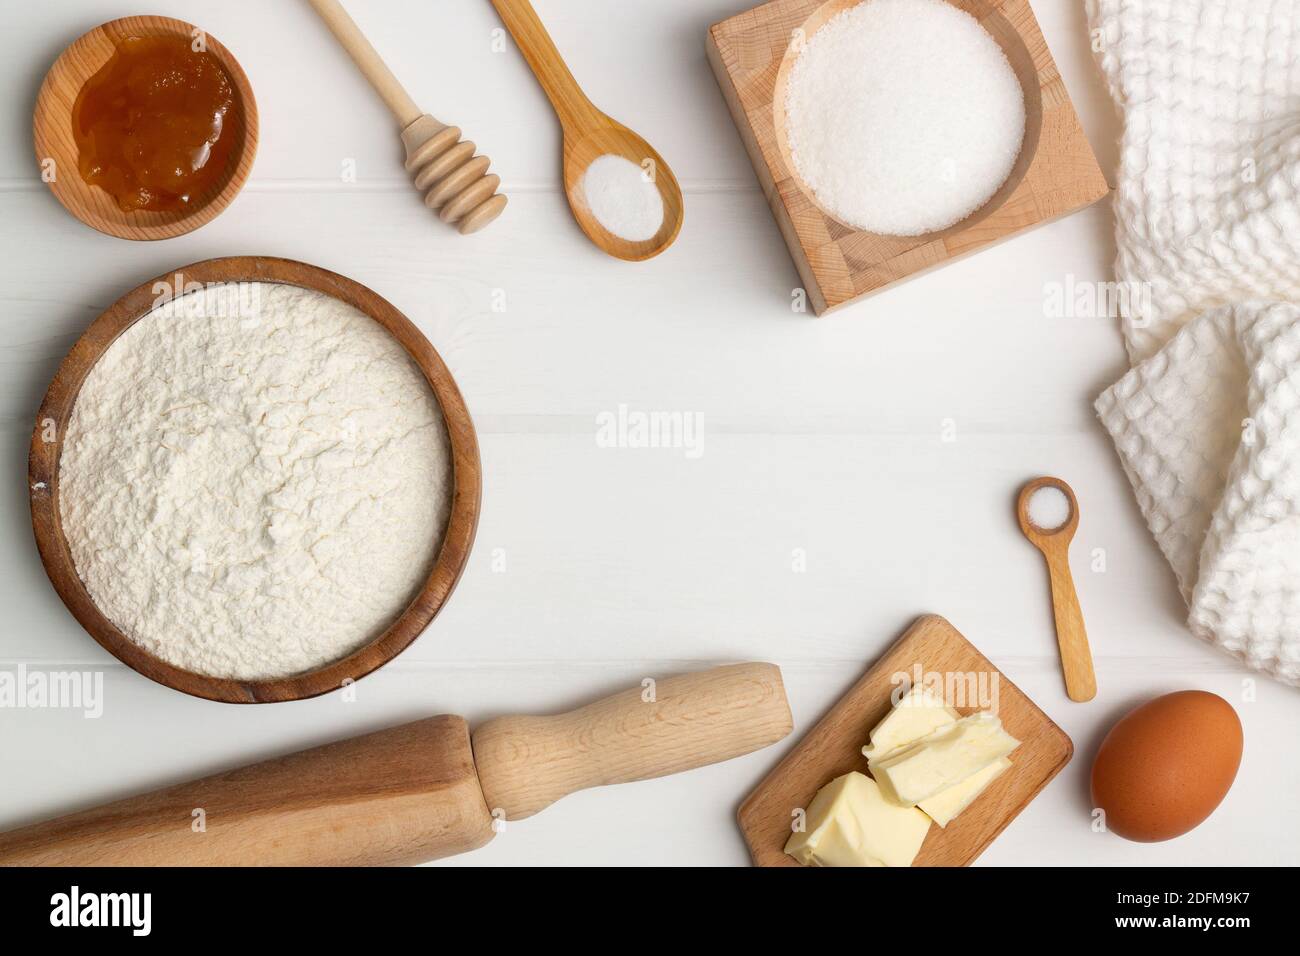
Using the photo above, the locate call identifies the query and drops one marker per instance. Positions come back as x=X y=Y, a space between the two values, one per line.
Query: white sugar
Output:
x=903 y=116
x=623 y=198
x=1048 y=508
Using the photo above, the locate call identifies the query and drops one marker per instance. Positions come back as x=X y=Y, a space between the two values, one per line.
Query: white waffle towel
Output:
x=1207 y=423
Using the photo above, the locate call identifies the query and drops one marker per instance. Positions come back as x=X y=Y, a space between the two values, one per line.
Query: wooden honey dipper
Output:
x=459 y=187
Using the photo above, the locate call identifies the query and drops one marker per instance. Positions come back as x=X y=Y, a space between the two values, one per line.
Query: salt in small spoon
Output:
x=1076 y=656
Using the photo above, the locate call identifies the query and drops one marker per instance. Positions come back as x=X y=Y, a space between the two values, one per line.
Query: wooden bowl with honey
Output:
x=130 y=151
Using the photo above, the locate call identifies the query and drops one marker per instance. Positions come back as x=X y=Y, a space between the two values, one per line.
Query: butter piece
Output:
x=942 y=758
x=944 y=806
x=915 y=715
x=849 y=823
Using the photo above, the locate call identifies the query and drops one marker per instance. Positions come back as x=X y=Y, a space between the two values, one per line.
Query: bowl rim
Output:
x=989 y=15
x=47 y=446
x=53 y=142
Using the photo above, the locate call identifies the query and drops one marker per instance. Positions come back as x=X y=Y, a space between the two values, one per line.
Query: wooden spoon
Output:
x=455 y=182
x=589 y=134
x=1076 y=657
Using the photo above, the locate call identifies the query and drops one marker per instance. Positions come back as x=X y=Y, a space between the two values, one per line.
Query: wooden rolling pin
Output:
x=419 y=791
x=455 y=182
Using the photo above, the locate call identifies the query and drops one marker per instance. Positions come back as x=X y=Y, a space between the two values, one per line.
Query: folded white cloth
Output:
x=1207 y=208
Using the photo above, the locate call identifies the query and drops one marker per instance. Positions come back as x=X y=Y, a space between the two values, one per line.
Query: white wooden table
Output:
x=822 y=438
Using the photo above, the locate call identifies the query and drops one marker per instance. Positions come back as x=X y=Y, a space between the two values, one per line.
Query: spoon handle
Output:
x=567 y=99
x=1076 y=656
x=368 y=61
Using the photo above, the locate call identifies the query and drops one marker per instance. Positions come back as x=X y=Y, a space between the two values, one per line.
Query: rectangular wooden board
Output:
x=834 y=747
x=1057 y=172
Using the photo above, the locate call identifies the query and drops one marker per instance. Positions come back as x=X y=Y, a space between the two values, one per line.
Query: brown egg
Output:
x=1164 y=767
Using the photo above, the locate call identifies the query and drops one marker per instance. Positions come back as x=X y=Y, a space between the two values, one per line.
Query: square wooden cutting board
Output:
x=834 y=747
x=1057 y=173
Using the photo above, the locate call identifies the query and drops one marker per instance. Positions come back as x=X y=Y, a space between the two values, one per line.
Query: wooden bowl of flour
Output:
x=47 y=451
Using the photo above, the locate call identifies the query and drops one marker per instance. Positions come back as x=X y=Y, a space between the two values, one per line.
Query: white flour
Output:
x=254 y=495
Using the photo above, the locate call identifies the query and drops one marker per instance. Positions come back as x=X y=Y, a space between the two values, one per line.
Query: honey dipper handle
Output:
x=527 y=763
x=1076 y=655
x=567 y=99
x=368 y=61
x=454 y=180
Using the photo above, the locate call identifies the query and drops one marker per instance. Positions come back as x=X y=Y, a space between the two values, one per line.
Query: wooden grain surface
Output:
x=54 y=140
x=833 y=747
x=423 y=790
x=1056 y=173
x=47 y=448
x=398 y=796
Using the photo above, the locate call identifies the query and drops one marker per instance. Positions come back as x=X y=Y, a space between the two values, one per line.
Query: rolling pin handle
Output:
x=527 y=763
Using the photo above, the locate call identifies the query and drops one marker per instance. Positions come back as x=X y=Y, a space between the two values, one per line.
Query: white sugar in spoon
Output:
x=588 y=135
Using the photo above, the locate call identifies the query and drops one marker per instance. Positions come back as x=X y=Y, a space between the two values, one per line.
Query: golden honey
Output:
x=155 y=125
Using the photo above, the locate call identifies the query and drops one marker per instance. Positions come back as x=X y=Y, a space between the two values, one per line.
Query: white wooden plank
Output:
x=824 y=435
x=706 y=327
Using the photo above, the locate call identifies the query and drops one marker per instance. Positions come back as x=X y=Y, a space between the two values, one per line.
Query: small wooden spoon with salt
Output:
x=590 y=134
x=1076 y=656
